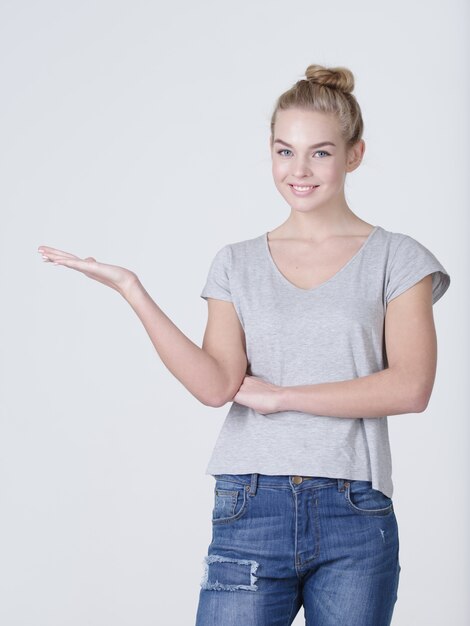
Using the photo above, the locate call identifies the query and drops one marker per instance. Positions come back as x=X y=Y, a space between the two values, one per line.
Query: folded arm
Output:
x=405 y=386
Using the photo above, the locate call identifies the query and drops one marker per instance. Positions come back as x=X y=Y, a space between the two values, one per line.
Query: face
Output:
x=322 y=169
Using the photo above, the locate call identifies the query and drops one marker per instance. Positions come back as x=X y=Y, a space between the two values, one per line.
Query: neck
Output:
x=317 y=226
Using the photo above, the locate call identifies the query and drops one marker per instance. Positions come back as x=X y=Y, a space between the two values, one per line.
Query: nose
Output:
x=301 y=168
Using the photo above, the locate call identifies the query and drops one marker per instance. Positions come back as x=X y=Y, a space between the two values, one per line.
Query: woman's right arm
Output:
x=213 y=373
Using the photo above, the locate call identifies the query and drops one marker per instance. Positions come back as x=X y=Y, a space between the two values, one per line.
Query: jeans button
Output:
x=297 y=480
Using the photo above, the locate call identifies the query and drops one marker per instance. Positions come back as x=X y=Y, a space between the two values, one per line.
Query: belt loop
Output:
x=254 y=484
x=340 y=484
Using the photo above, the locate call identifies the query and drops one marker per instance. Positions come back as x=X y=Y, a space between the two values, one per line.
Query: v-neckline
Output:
x=314 y=288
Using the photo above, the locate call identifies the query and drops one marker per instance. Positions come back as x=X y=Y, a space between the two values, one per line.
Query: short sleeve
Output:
x=411 y=262
x=218 y=279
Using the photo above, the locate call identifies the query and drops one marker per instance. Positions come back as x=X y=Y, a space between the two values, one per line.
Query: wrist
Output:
x=282 y=397
x=131 y=289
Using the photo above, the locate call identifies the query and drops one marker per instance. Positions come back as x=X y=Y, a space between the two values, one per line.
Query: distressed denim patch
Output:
x=222 y=573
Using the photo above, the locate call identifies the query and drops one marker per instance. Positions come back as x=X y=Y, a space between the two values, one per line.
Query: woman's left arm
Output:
x=405 y=386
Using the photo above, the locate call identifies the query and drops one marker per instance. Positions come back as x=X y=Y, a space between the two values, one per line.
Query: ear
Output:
x=355 y=155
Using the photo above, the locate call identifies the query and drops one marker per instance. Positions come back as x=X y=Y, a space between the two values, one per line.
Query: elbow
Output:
x=215 y=400
x=219 y=400
x=420 y=399
x=417 y=405
x=214 y=395
x=221 y=393
x=223 y=399
x=211 y=400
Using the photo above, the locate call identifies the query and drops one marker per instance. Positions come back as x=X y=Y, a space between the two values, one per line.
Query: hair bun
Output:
x=340 y=78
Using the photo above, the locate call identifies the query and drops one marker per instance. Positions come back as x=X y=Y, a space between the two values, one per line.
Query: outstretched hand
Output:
x=118 y=278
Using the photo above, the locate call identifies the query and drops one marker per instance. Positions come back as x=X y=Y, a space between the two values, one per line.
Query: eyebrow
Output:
x=315 y=145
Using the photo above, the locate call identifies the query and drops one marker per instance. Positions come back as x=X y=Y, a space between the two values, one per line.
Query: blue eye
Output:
x=323 y=151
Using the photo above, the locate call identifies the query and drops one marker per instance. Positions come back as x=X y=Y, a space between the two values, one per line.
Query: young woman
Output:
x=317 y=331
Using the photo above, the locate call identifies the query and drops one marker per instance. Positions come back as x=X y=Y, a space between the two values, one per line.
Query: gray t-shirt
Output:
x=294 y=336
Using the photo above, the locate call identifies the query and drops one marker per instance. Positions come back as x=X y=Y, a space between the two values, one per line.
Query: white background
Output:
x=137 y=132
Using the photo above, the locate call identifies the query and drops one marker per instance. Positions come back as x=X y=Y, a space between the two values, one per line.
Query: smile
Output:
x=303 y=190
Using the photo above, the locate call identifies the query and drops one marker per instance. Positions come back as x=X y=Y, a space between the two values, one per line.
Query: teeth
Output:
x=303 y=188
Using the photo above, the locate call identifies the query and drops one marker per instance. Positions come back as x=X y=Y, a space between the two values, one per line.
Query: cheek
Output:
x=280 y=170
x=331 y=174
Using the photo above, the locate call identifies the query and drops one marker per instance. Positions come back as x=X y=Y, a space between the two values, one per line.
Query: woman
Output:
x=317 y=331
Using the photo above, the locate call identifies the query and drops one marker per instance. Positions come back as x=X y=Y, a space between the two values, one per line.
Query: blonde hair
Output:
x=328 y=90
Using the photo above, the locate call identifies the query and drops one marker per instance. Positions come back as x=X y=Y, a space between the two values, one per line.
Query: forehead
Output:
x=306 y=126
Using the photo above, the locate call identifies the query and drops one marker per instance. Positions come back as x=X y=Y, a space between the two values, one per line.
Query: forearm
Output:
x=387 y=392
x=197 y=370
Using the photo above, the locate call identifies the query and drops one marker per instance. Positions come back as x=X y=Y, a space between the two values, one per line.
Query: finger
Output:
x=48 y=251
x=53 y=256
x=74 y=263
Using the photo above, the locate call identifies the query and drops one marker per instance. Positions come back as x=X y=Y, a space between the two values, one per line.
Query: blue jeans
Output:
x=280 y=542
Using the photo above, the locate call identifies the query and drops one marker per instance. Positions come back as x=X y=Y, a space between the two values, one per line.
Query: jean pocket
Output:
x=230 y=502
x=365 y=500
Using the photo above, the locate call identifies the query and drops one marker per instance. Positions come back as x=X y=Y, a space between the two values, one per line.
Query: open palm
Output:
x=114 y=276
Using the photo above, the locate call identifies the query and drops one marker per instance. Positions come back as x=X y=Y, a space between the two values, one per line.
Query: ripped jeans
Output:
x=282 y=542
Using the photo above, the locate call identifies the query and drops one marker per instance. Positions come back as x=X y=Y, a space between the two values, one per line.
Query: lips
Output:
x=303 y=190
x=303 y=187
